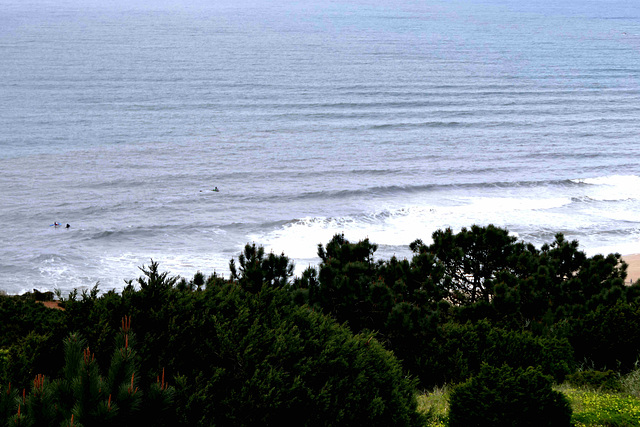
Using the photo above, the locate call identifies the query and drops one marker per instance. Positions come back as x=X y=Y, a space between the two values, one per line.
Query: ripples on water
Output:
x=385 y=120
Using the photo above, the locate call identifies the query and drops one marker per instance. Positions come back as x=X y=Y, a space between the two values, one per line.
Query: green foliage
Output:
x=490 y=275
x=596 y=380
x=608 y=336
x=399 y=299
x=83 y=397
x=458 y=350
x=576 y=284
x=8 y=398
x=95 y=317
x=27 y=353
x=481 y=274
x=267 y=360
x=435 y=406
x=472 y=258
x=591 y=408
x=263 y=346
x=508 y=397
x=631 y=383
x=29 y=334
x=345 y=275
x=256 y=270
x=246 y=355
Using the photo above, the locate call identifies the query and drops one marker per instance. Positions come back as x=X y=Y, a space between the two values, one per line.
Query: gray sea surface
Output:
x=378 y=119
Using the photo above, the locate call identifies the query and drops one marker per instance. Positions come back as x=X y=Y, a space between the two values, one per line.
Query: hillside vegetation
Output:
x=351 y=342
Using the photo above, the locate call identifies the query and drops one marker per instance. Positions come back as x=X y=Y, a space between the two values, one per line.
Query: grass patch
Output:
x=436 y=405
x=590 y=408
x=631 y=383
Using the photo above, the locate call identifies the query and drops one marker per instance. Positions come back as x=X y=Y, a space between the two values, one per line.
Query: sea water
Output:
x=378 y=119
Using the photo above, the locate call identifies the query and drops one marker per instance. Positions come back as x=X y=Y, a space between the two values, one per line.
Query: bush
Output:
x=508 y=397
x=608 y=337
x=31 y=334
x=266 y=360
x=458 y=350
x=83 y=397
x=244 y=354
x=596 y=380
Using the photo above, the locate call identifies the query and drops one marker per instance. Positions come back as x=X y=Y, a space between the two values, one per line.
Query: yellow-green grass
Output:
x=436 y=404
x=593 y=408
x=590 y=408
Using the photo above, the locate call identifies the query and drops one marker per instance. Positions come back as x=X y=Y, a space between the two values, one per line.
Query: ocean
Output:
x=378 y=119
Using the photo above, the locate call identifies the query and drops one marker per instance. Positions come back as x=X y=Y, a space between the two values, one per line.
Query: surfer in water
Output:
x=215 y=189
x=68 y=226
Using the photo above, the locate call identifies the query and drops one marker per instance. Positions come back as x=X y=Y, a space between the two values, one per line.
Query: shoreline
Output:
x=633 y=270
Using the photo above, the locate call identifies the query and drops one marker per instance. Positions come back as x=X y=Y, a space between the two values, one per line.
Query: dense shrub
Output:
x=458 y=351
x=30 y=336
x=508 y=397
x=244 y=354
x=608 y=337
x=266 y=360
x=82 y=396
x=260 y=346
x=596 y=380
x=472 y=296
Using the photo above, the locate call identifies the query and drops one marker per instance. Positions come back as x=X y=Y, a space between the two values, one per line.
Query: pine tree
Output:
x=8 y=398
x=83 y=397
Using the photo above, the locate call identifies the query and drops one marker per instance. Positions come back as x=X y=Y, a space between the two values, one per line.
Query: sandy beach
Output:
x=633 y=271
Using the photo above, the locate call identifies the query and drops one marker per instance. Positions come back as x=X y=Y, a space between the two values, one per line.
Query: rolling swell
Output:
x=385 y=131
x=129 y=233
x=383 y=191
x=436 y=124
x=477 y=189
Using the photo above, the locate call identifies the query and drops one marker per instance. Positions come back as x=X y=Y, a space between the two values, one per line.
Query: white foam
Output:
x=180 y=264
x=613 y=187
x=398 y=227
x=505 y=204
x=393 y=227
x=301 y=237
